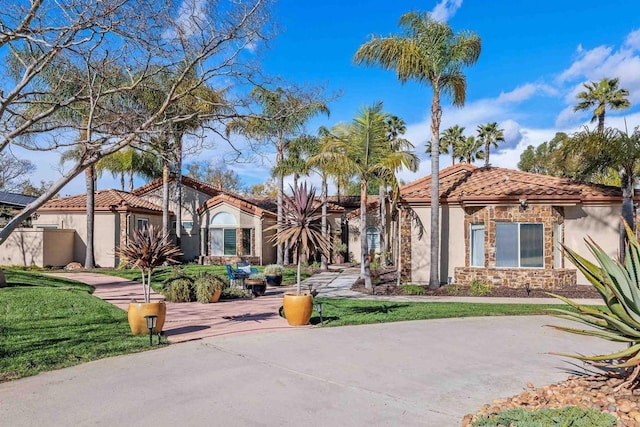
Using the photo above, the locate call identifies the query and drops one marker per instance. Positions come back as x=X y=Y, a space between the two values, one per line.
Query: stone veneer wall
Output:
x=229 y=259
x=405 y=245
x=546 y=277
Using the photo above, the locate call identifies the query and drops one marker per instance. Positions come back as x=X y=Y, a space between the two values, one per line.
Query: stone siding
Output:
x=405 y=245
x=222 y=260
x=536 y=278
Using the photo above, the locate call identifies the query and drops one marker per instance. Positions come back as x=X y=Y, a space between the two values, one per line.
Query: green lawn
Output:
x=160 y=274
x=48 y=323
x=340 y=312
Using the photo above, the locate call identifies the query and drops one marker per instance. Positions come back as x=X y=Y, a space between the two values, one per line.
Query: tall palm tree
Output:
x=363 y=147
x=601 y=95
x=489 y=135
x=471 y=150
x=452 y=138
x=282 y=117
x=130 y=161
x=429 y=52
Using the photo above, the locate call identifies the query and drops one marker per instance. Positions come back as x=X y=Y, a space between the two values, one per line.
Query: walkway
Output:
x=420 y=373
x=190 y=321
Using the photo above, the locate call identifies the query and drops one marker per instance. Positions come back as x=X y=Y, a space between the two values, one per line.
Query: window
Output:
x=187 y=225
x=476 y=245
x=373 y=239
x=142 y=223
x=246 y=241
x=519 y=245
x=223 y=241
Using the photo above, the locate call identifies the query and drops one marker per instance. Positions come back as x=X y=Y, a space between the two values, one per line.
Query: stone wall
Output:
x=405 y=245
x=536 y=278
x=222 y=260
x=545 y=278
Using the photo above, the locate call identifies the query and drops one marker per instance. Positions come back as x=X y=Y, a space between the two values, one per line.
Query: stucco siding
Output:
x=601 y=223
x=40 y=247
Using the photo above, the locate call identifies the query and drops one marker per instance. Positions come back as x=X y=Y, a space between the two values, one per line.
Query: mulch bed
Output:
x=385 y=284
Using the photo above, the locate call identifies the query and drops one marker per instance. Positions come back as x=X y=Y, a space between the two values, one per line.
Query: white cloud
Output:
x=586 y=62
x=445 y=10
x=526 y=91
x=189 y=19
x=633 y=39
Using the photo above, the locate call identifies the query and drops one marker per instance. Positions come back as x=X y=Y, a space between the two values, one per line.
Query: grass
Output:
x=160 y=274
x=340 y=312
x=49 y=323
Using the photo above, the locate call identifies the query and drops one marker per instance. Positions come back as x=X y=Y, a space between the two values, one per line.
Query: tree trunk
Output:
x=601 y=121
x=178 y=143
x=131 y=180
x=279 y=157
x=165 y=195
x=627 y=212
x=436 y=114
x=365 y=267
x=383 y=224
x=122 y=181
x=89 y=260
x=486 y=153
x=323 y=223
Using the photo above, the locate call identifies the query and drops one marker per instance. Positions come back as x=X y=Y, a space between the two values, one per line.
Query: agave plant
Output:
x=146 y=250
x=301 y=226
x=619 y=286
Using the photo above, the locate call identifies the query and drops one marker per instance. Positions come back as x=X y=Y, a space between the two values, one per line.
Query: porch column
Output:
x=203 y=241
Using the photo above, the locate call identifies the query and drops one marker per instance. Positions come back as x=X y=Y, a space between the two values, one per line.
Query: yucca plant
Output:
x=301 y=226
x=619 y=286
x=146 y=250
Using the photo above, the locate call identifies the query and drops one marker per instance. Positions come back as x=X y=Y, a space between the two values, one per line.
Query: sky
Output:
x=535 y=57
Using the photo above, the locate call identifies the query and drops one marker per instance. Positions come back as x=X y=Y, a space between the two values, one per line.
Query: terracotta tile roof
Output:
x=198 y=185
x=241 y=204
x=468 y=184
x=105 y=200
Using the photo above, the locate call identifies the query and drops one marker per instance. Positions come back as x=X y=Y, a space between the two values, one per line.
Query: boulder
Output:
x=73 y=266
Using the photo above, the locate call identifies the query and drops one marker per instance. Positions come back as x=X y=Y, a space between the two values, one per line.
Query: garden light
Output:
x=151 y=324
x=319 y=310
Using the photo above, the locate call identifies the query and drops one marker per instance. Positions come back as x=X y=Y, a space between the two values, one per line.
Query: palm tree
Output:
x=283 y=116
x=130 y=162
x=601 y=95
x=427 y=51
x=451 y=138
x=489 y=134
x=471 y=150
x=362 y=146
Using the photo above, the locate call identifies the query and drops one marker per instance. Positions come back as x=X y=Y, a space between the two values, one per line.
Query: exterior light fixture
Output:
x=151 y=324
x=319 y=307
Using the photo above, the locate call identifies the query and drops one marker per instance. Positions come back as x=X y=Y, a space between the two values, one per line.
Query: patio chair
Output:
x=236 y=275
x=242 y=266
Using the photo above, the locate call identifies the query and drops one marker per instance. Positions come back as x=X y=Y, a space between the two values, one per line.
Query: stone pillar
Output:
x=405 y=246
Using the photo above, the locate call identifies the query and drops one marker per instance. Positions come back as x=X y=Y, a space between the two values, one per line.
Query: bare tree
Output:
x=143 y=38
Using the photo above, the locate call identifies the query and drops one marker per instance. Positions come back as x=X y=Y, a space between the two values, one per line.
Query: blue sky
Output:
x=535 y=57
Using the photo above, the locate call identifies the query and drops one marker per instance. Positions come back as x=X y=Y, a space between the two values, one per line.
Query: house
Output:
x=118 y=214
x=10 y=203
x=504 y=226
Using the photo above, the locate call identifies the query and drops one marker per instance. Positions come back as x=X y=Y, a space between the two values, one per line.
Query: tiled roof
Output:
x=105 y=200
x=15 y=199
x=468 y=184
x=198 y=185
x=241 y=204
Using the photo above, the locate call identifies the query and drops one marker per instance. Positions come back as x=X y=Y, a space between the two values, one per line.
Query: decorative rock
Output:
x=73 y=266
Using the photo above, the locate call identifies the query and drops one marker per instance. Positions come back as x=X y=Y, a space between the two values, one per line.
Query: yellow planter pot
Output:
x=216 y=295
x=298 y=308
x=137 y=311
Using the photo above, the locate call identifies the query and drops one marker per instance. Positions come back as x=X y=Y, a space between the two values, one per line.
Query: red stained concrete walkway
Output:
x=192 y=320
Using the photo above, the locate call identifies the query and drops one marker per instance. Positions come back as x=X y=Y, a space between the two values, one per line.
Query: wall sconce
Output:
x=523 y=204
x=151 y=324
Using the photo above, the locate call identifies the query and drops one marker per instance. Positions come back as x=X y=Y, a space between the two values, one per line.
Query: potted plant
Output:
x=257 y=283
x=340 y=251
x=301 y=228
x=273 y=274
x=208 y=287
x=146 y=250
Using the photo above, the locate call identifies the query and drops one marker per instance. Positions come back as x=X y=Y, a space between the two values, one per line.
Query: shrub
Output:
x=411 y=289
x=180 y=290
x=256 y=276
x=206 y=284
x=567 y=416
x=273 y=270
x=235 y=293
x=479 y=288
x=454 y=289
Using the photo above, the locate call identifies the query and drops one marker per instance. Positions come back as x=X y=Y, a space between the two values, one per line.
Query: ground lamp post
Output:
x=151 y=324
x=319 y=310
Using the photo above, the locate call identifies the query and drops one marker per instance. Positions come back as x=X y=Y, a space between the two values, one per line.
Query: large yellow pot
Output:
x=137 y=311
x=298 y=308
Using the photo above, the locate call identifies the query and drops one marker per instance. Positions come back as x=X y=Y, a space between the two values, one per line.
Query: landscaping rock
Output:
x=595 y=391
x=72 y=266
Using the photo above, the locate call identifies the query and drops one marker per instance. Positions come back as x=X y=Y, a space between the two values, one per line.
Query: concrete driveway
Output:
x=427 y=373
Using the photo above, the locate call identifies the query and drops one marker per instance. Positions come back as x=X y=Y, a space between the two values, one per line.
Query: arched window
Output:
x=223 y=218
x=373 y=239
x=222 y=234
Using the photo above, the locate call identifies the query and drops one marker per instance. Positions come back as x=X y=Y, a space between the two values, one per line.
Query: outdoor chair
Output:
x=236 y=275
x=246 y=267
